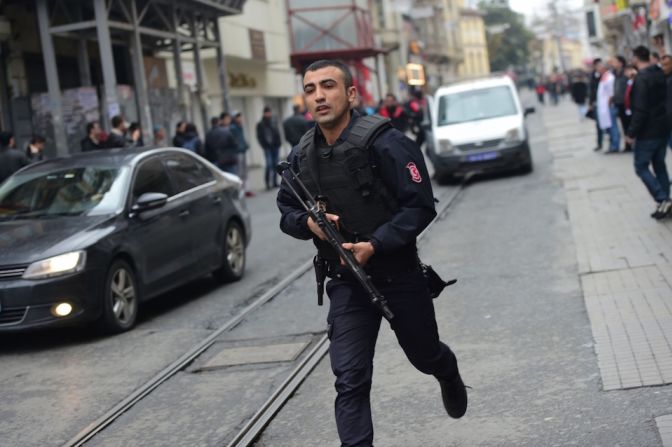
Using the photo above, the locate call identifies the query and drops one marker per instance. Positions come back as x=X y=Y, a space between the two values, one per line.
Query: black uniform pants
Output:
x=353 y=330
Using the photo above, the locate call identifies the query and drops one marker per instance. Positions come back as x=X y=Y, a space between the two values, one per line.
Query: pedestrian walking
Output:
x=117 y=136
x=180 y=134
x=238 y=132
x=268 y=137
x=295 y=126
x=592 y=100
x=620 y=86
x=134 y=135
x=35 y=148
x=606 y=111
x=397 y=115
x=579 y=92
x=191 y=140
x=159 y=135
x=221 y=147
x=666 y=64
x=380 y=212
x=11 y=159
x=648 y=131
x=92 y=141
x=541 y=91
x=416 y=109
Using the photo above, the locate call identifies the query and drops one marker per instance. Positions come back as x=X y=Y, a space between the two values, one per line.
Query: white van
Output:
x=477 y=127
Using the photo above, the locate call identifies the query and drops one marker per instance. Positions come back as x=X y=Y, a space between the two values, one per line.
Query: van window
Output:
x=474 y=105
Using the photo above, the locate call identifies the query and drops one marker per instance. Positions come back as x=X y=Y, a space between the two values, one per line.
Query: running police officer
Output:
x=377 y=192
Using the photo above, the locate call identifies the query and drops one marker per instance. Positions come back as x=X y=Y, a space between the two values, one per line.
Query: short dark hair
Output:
x=37 y=139
x=5 y=138
x=224 y=115
x=391 y=95
x=90 y=126
x=324 y=63
x=655 y=54
x=214 y=121
x=134 y=126
x=642 y=53
x=596 y=61
x=267 y=109
x=178 y=125
x=296 y=108
x=117 y=120
x=622 y=60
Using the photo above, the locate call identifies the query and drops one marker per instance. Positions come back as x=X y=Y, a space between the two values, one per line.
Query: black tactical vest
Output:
x=347 y=180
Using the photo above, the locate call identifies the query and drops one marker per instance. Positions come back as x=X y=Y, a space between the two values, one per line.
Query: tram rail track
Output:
x=247 y=435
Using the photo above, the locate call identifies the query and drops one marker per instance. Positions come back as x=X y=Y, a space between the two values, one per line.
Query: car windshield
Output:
x=474 y=105
x=74 y=191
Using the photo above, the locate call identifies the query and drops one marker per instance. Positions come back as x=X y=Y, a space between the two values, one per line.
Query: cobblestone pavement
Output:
x=624 y=258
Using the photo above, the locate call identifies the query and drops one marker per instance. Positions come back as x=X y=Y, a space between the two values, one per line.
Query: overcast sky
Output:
x=527 y=7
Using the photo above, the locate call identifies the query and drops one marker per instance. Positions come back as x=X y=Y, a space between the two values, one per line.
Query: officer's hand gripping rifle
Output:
x=317 y=212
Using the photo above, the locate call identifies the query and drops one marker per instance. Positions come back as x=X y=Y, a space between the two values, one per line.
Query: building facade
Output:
x=65 y=63
x=476 y=60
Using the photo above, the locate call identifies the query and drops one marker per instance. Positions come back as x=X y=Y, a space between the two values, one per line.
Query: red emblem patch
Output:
x=415 y=174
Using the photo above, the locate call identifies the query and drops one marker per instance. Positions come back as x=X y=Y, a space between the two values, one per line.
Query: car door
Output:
x=160 y=236
x=197 y=184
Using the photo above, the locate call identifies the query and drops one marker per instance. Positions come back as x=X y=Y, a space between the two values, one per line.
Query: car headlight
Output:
x=64 y=264
x=512 y=136
x=445 y=147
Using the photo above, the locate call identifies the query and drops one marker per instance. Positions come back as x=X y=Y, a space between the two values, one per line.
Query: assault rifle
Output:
x=317 y=211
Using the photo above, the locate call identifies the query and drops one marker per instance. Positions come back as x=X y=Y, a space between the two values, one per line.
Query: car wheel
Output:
x=233 y=262
x=120 y=299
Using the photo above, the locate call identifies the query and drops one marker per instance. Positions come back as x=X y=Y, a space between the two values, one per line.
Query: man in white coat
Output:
x=607 y=112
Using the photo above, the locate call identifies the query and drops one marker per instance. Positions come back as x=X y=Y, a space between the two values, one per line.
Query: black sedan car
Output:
x=89 y=237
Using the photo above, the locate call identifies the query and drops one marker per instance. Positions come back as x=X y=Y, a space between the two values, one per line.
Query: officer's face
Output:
x=327 y=98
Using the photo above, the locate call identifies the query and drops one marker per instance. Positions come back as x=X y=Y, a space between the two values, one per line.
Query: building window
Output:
x=380 y=10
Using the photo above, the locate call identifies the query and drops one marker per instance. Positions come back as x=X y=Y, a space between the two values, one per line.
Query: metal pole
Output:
x=140 y=81
x=83 y=62
x=111 y=107
x=221 y=66
x=177 y=54
x=83 y=54
x=52 y=78
x=202 y=88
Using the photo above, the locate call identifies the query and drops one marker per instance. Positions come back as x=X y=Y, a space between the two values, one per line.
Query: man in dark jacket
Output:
x=592 y=99
x=648 y=131
x=295 y=126
x=397 y=115
x=91 y=141
x=117 y=137
x=268 y=137
x=666 y=64
x=221 y=148
x=11 y=159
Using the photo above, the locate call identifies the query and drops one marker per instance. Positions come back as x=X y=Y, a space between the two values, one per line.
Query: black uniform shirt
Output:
x=402 y=169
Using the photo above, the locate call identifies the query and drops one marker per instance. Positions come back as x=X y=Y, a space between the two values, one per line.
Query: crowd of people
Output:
x=632 y=104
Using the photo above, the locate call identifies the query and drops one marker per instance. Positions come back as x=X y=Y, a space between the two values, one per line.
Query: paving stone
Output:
x=664 y=424
x=624 y=259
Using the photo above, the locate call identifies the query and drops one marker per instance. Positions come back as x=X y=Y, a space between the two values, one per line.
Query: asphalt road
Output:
x=54 y=383
x=518 y=324
x=516 y=320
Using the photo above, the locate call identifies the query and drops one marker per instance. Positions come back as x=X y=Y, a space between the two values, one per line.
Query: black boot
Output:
x=454 y=395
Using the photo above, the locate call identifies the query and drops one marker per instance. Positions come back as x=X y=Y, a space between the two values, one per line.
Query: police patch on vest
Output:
x=415 y=174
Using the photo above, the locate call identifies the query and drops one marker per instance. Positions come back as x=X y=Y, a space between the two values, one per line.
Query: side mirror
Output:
x=529 y=110
x=150 y=201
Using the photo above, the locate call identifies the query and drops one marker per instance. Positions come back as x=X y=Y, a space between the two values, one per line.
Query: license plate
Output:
x=482 y=157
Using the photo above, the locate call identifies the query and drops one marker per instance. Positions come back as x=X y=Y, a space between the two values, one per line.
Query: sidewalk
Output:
x=624 y=258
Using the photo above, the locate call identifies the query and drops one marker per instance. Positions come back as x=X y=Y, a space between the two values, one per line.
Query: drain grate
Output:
x=248 y=355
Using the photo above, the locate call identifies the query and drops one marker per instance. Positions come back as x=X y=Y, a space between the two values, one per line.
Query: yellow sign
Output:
x=415 y=74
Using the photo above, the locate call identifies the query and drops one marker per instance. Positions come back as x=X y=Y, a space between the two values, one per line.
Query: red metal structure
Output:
x=336 y=29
